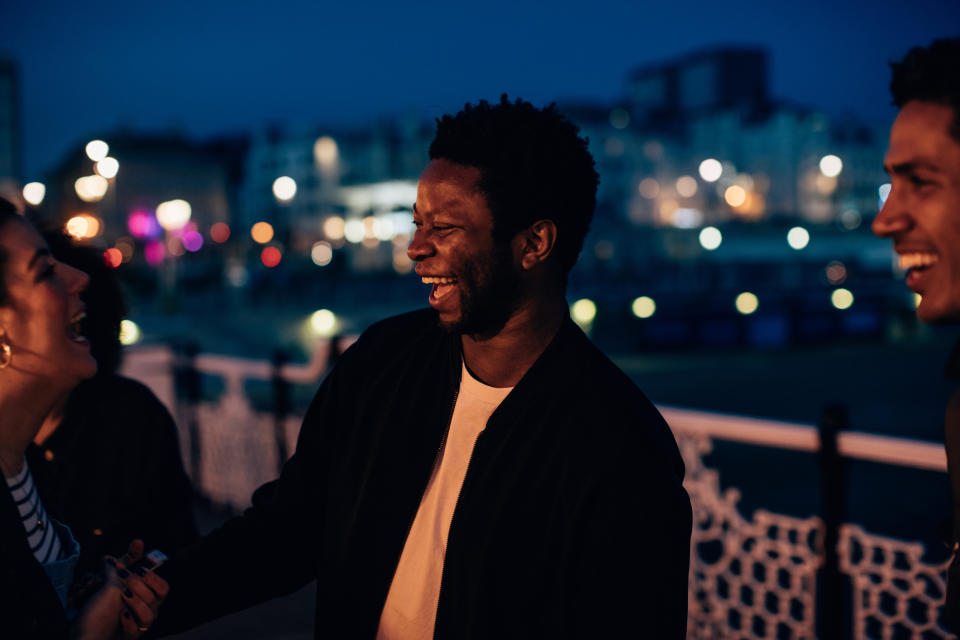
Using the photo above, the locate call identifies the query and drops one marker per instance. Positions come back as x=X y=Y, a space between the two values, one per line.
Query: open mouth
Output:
x=75 y=328
x=917 y=265
x=442 y=286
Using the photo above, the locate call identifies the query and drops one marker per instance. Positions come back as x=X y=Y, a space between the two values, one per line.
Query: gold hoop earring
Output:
x=6 y=353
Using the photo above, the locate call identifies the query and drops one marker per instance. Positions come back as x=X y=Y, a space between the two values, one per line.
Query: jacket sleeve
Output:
x=633 y=553
x=272 y=549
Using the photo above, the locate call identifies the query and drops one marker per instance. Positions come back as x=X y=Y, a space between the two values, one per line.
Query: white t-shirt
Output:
x=411 y=608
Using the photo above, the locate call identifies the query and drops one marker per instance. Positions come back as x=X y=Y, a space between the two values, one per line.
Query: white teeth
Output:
x=438 y=280
x=913 y=260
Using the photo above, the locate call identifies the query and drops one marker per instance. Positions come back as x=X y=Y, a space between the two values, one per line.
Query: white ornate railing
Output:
x=749 y=579
x=757 y=578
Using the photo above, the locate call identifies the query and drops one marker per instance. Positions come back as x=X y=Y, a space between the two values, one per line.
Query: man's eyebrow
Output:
x=912 y=165
x=40 y=253
x=415 y=208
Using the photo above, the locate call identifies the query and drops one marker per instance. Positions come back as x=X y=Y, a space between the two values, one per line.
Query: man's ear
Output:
x=537 y=242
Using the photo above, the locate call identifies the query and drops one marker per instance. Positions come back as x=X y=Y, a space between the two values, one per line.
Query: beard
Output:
x=488 y=295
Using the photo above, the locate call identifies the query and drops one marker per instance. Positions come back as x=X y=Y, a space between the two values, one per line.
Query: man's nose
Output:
x=420 y=247
x=892 y=218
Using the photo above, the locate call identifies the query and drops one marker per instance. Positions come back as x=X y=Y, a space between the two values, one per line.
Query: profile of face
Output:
x=42 y=312
x=922 y=212
x=474 y=279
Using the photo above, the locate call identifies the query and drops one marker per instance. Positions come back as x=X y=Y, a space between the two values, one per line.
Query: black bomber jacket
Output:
x=572 y=520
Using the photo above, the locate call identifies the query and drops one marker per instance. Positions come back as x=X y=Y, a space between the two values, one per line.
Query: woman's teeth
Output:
x=75 y=328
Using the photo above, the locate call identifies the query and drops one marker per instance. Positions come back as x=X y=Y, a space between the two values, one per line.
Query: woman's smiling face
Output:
x=41 y=310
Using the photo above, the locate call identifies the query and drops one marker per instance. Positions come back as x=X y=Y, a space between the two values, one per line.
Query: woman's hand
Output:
x=127 y=604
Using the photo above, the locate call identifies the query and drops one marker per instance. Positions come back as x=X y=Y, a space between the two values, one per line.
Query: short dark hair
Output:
x=930 y=75
x=8 y=212
x=534 y=166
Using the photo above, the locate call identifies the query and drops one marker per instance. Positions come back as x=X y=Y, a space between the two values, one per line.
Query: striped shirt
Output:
x=41 y=534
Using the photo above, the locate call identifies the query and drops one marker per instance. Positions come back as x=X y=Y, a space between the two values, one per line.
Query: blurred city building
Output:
x=9 y=131
x=349 y=189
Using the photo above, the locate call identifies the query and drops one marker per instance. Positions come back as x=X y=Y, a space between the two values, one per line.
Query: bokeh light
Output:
x=220 y=232
x=836 y=272
x=129 y=332
x=354 y=231
x=112 y=257
x=154 y=252
x=831 y=165
x=173 y=214
x=34 y=193
x=735 y=195
x=746 y=303
x=798 y=238
x=261 y=232
x=917 y=299
x=583 y=311
x=325 y=152
x=841 y=299
x=107 y=167
x=686 y=186
x=321 y=253
x=710 y=238
x=143 y=225
x=649 y=188
x=91 y=188
x=619 y=118
x=126 y=248
x=711 y=169
x=284 y=188
x=643 y=307
x=83 y=226
x=97 y=150
x=333 y=228
x=270 y=256
x=323 y=322
x=192 y=241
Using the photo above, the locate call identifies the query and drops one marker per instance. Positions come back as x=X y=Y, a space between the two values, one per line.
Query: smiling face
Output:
x=922 y=212
x=42 y=311
x=474 y=280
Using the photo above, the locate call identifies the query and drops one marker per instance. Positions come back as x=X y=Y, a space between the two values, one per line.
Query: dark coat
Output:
x=112 y=471
x=571 y=522
x=29 y=607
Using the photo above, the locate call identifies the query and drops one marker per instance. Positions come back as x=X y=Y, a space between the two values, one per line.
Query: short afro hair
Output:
x=534 y=166
x=930 y=75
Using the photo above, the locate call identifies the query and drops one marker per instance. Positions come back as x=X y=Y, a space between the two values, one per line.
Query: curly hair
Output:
x=930 y=75
x=534 y=166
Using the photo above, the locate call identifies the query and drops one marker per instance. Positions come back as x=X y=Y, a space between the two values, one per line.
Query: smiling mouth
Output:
x=442 y=286
x=918 y=260
x=75 y=328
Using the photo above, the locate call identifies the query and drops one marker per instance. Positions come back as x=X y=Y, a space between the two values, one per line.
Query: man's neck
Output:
x=503 y=359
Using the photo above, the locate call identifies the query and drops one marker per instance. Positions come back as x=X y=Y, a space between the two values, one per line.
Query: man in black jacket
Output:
x=922 y=217
x=478 y=469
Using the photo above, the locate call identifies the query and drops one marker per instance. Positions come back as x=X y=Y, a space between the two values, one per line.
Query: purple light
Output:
x=192 y=241
x=154 y=252
x=143 y=225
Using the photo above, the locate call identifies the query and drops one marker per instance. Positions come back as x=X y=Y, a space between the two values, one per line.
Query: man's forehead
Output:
x=922 y=132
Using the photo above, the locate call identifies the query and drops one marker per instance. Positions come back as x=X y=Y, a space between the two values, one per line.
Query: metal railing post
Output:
x=832 y=505
x=187 y=387
x=281 y=405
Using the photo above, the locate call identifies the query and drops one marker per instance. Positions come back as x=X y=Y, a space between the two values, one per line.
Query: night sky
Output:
x=204 y=68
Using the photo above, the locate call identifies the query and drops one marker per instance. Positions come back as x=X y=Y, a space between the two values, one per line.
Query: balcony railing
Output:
x=749 y=578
